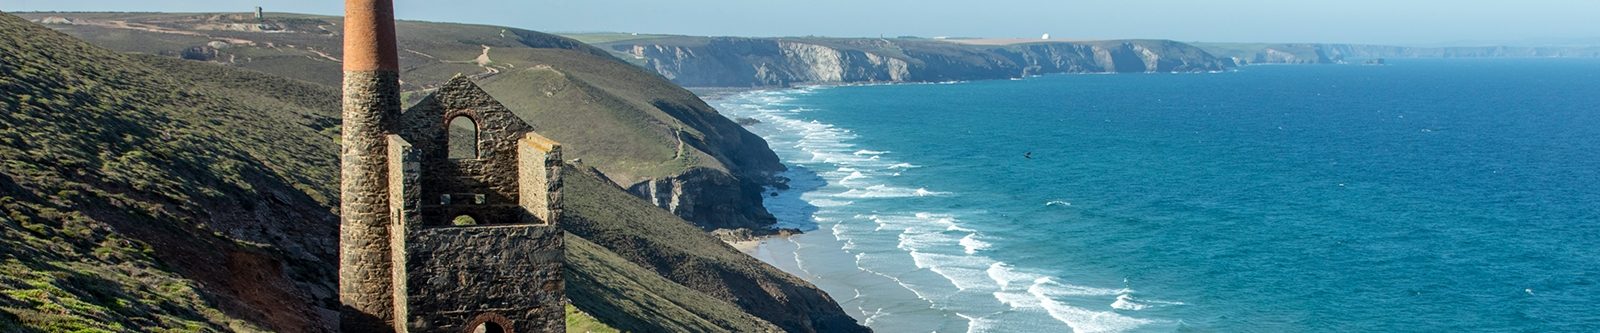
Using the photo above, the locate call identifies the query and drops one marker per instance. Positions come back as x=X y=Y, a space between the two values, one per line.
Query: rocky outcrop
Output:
x=711 y=198
x=1306 y=53
x=744 y=62
x=714 y=198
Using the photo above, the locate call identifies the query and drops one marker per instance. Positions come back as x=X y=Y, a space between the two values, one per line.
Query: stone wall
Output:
x=459 y=276
x=370 y=98
x=405 y=198
x=485 y=188
x=539 y=174
x=505 y=271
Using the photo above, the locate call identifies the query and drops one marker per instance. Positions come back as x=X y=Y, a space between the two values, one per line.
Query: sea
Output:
x=1420 y=196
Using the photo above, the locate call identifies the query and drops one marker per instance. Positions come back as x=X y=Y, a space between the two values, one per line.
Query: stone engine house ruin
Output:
x=448 y=209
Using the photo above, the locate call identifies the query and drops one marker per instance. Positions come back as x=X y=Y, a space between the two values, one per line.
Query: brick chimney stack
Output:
x=371 y=100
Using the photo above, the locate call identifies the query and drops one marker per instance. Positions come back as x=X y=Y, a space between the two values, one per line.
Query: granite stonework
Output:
x=364 y=264
x=454 y=187
x=453 y=276
x=407 y=263
x=504 y=269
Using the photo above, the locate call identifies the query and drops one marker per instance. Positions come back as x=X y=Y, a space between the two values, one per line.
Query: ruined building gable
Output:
x=485 y=173
x=504 y=267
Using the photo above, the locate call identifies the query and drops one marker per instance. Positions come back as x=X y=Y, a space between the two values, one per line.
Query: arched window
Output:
x=488 y=327
x=463 y=220
x=463 y=141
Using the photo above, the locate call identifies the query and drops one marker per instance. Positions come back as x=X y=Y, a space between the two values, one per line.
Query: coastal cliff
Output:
x=203 y=195
x=1310 y=53
x=757 y=62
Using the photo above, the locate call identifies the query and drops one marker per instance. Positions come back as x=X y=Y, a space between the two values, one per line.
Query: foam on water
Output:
x=853 y=176
x=1126 y=301
x=972 y=244
x=885 y=191
x=831 y=203
x=1150 y=178
x=919 y=240
x=902 y=246
x=902 y=166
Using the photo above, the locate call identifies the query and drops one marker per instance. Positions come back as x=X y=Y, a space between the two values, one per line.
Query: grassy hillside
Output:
x=308 y=48
x=635 y=126
x=147 y=193
x=608 y=286
x=134 y=200
x=653 y=240
x=581 y=322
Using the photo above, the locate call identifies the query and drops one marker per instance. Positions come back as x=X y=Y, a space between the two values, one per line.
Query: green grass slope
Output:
x=601 y=283
x=631 y=124
x=581 y=322
x=136 y=201
x=660 y=242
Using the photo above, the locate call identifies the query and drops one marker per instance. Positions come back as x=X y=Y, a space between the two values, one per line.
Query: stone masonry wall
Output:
x=539 y=172
x=364 y=272
x=493 y=174
x=462 y=274
x=404 y=199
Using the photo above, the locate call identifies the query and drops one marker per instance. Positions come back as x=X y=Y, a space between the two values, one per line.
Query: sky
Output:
x=1399 y=22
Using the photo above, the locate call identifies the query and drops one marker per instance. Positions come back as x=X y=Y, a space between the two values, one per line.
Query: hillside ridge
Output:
x=712 y=62
x=761 y=62
x=641 y=128
x=142 y=193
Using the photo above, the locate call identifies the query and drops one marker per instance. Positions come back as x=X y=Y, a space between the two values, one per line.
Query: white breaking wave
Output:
x=972 y=244
x=936 y=244
x=1126 y=301
x=853 y=176
x=886 y=191
x=830 y=203
x=902 y=166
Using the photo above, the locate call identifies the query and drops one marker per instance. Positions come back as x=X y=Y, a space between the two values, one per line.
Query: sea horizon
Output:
x=903 y=250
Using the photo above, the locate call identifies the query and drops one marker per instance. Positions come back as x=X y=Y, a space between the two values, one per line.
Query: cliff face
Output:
x=723 y=62
x=719 y=199
x=1244 y=54
x=744 y=62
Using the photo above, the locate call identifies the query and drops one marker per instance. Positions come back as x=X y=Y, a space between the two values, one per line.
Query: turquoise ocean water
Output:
x=1427 y=195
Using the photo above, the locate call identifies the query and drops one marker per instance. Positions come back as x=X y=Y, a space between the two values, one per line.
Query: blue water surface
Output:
x=1426 y=195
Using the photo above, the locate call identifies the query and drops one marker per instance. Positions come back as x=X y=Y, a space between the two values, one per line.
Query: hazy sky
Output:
x=1354 y=21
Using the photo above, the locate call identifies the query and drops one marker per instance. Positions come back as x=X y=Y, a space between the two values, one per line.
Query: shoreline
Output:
x=871 y=240
x=877 y=296
x=889 y=258
x=751 y=246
